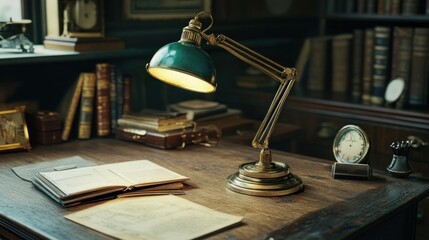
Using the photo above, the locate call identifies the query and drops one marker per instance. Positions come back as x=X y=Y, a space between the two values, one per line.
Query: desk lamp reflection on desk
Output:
x=185 y=65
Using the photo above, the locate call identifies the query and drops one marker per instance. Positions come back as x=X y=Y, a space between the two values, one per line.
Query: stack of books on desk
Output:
x=154 y=120
x=156 y=128
x=201 y=111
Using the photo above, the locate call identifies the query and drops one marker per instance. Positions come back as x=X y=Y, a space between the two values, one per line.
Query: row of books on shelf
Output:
x=380 y=7
x=97 y=99
x=362 y=64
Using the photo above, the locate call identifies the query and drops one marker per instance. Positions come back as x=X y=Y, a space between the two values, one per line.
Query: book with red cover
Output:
x=103 y=99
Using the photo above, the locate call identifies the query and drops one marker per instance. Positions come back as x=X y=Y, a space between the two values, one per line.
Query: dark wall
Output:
x=277 y=34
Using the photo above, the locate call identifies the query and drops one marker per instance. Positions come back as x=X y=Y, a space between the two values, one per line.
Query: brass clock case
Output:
x=351 y=145
x=83 y=18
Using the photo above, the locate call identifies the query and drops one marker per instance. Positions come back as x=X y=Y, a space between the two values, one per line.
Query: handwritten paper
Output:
x=153 y=217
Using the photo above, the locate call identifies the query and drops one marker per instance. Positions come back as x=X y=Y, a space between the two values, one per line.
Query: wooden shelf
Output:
x=377 y=18
x=246 y=98
x=42 y=55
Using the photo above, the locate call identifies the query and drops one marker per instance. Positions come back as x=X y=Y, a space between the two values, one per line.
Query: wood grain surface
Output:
x=327 y=208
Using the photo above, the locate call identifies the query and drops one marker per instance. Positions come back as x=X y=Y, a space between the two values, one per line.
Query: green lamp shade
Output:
x=184 y=65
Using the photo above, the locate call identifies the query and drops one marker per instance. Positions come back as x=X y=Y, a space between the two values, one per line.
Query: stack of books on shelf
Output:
x=95 y=102
x=83 y=44
x=361 y=64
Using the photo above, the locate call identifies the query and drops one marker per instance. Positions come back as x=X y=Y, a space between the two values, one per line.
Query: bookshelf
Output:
x=320 y=114
x=43 y=77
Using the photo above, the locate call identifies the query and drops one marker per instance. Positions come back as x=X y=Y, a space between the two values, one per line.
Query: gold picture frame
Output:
x=13 y=129
x=165 y=9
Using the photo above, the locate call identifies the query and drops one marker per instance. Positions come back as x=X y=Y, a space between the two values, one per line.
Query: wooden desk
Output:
x=327 y=209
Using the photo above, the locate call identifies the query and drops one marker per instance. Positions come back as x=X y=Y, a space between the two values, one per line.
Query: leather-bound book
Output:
x=418 y=87
x=71 y=111
x=119 y=93
x=318 y=64
x=86 y=105
x=358 y=39
x=401 y=58
x=341 y=45
x=381 y=64
x=113 y=97
x=127 y=79
x=410 y=7
x=103 y=99
x=368 y=58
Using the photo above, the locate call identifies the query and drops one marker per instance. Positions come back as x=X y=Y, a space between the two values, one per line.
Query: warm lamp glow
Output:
x=181 y=80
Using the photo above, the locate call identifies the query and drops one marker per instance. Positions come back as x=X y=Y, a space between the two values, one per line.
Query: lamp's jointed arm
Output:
x=286 y=77
x=184 y=64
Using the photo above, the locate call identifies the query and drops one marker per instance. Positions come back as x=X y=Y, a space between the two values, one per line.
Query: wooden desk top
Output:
x=327 y=209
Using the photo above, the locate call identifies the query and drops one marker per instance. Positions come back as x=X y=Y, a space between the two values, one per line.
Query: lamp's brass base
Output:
x=275 y=180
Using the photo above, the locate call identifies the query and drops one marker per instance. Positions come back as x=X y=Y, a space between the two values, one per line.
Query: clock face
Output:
x=394 y=90
x=350 y=145
x=85 y=14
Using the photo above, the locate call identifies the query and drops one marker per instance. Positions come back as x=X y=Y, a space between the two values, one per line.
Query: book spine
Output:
x=410 y=7
x=68 y=122
x=419 y=68
x=113 y=98
x=401 y=59
x=127 y=93
x=361 y=6
x=381 y=7
x=317 y=65
x=103 y=99
x=87 y=105
x=371 y=6
x=396 y=7
x=380 y=64
x=388 y=6
x=131 y=123
x=340 y=63
x=427 y=7
x=357 y=64
x=302 y=60
x=119 y=93
x=367 y=66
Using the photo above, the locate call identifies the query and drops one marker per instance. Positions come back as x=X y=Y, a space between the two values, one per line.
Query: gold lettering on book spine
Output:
x=103 y=99
x=87 y=106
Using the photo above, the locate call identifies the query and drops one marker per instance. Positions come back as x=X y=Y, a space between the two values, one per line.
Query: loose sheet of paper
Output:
x=153 y=217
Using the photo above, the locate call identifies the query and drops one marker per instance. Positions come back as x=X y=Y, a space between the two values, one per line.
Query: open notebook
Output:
x=74 y=186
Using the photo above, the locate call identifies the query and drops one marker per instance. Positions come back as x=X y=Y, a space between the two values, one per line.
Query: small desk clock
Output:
x=350 y=148
x=83 y=18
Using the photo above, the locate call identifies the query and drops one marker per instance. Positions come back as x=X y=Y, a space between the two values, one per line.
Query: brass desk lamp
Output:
x=184 y=64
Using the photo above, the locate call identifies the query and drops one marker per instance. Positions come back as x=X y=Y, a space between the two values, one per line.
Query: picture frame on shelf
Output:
x=167 y=9
x=13 y=129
